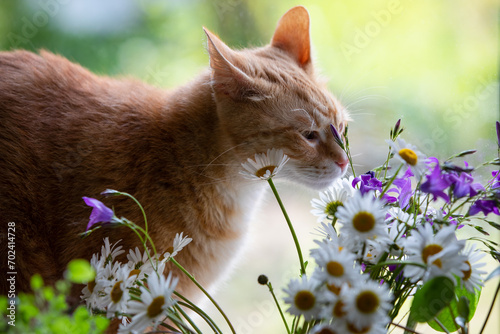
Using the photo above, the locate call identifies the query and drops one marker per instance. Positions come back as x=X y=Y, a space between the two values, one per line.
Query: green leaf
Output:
x=81 y=314
x=36 y=282
x=80 y=271
x=101 y=323
x=48 y=293
x=463 y=307
x=431 y=298
x=481 y=230
x=4 y=302
x=466 y=299
x=493 y=224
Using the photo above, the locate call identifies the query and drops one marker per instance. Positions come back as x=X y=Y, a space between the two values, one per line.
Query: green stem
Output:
x=191 y=322
x=403 y=327
x=136 y=227
x=191 y=277
x=391 y=181
x=140 y=207
x=441 y=325
x=290 y=226
x=348 y=152
x=278 y=305
x=491 y=308
x=386 y=164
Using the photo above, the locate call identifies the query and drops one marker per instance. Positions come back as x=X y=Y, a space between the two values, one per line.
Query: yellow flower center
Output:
x=363 y=221
x=170 y=249
x=409 y=156
x=261 y=172
x=354 y=330
x=333 y=288
x=335 y=269
x=367 y=302
x=134 y=272
x=91 y=285
x=338 y=309
x=326 y=331
x=432 y=250
x=331 y=208
x=467 y=273
x=304 y=300
x=116 y=292
x=155 y=308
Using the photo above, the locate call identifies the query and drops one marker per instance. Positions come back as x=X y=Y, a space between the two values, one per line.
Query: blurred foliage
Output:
x=432 y=63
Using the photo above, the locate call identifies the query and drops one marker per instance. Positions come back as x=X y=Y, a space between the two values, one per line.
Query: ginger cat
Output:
x=67 y=133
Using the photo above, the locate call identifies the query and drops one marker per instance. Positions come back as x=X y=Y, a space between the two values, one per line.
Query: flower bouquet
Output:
x=388 y=237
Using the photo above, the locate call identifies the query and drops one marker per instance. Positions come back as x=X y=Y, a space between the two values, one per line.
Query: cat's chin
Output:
x=317 y=183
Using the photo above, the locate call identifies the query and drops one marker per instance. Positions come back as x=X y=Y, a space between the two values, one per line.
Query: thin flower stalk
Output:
x=290 y=226
x=191 y=277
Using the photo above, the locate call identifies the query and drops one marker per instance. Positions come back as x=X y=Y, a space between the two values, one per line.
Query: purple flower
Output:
x=100 y=212
x=495 y=181
x=367 y=182
x=485 y=206
x=435 y=184
x=336 y=136
x=462 y=184
x=405 y=191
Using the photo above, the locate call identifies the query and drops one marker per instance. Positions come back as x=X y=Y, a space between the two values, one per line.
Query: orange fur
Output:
x=67 y=133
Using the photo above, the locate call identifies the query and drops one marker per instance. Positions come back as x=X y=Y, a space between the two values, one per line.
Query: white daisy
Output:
x=367 y=304
x=265 y=165
x=438 y=252
x=472 y=275
x=92 y=292
x=303 y=298
x=154 y=304
x=179 y=243
x=409 y=154
x=334 y=307
x=362 y=218
x=110 y=252
x=325 y=329
x=334 y=266
x=373 y=249
x=116 y=291
x=330 y=237
x=329 y=200
x=139 y=263
x=399 y=223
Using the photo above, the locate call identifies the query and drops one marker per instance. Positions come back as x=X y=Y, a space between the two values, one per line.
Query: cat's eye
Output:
x=310 y=135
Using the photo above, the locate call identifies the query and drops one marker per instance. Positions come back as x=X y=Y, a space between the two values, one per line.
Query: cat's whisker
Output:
x=365 y=98
x=220 y=155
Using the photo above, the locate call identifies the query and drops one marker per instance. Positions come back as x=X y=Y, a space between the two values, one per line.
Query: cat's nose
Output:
x=342 y=163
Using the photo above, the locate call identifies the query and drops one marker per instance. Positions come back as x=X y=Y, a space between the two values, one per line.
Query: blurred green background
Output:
x=432 y=63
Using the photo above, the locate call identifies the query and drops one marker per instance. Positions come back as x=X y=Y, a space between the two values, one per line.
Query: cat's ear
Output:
x=292 y=35
x=226 y=77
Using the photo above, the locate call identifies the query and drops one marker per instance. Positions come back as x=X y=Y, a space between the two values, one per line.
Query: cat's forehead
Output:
x=299 y=87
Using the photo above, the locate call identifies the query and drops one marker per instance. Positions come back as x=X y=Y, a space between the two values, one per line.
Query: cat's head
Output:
x=269 y=97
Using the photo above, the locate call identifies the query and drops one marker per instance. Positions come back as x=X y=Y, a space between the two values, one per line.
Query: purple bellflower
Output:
x=100 y=212
x=462 y=184
x=367 y=182
x=485 y=206
x=435 y=184
x=405 y=192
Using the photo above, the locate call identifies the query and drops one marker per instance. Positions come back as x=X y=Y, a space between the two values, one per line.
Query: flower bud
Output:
x=262 y=279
